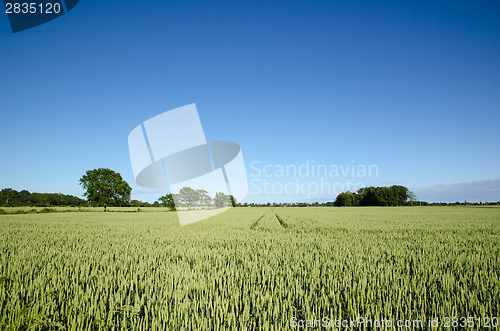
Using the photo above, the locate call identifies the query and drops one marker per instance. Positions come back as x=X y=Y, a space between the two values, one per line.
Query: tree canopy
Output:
x=105 y=186
x=395 y=195
x=189 y=197
x=13 y=198
x=168 y=200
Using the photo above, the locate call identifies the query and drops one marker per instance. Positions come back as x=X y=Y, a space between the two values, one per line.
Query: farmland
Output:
x=248 y=268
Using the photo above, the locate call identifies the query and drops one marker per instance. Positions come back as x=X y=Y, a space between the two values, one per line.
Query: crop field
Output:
x=249 y=268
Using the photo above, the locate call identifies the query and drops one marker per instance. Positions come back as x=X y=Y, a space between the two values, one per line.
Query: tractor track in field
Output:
x=256 y=223
x=282 y=223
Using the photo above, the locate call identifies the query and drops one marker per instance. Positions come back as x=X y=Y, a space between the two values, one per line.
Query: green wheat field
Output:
x=247 y=268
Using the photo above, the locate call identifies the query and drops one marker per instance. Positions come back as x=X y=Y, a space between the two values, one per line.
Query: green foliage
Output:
x=232 y=200
x=8 y=196
x=22 y=211
x=48 y=210
x=12 y=198
x=395 y=195
x=138 y=203
x=105 y=186
x=247 y=268
x=167 y=201
x=347 y=199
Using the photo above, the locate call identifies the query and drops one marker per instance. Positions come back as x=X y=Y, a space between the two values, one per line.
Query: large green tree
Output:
x=9 y=197
x=232 y=200
x=105 y=186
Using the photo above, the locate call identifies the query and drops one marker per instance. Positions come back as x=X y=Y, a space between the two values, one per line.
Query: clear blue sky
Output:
x=411 y=87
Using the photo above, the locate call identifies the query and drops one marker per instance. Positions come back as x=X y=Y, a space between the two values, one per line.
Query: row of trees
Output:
x=466 y=203
x=106 y=187
x=189 y=197
x=395 y=195
x=13 y=198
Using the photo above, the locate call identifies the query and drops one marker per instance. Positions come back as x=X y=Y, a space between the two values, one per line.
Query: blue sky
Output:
x=411 y=87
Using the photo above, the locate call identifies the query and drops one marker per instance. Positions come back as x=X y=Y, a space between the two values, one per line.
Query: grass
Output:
x=248 y=268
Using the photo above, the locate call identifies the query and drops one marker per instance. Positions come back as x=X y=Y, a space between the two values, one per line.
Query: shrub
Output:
x=48 y=210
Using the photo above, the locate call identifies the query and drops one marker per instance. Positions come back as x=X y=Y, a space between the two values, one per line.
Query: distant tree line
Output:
x=347 y=199
x=466 y=203
x=104 y=186
x=395 y=195
x=13 y=198
x=285 y=204
x=189 y=197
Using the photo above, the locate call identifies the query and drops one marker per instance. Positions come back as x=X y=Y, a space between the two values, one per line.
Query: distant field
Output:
x=249 y=268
